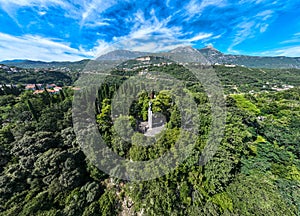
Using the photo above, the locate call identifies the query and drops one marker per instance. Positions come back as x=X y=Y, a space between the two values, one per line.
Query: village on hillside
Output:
x=40 y=88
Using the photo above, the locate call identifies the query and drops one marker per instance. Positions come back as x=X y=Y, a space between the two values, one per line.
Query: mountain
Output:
x=18 y=62
x=14 y=61
x=121 y=55
x=210 y=51
x=206 y=55
x=185 y=55
x=40 y=64
x=216 y=57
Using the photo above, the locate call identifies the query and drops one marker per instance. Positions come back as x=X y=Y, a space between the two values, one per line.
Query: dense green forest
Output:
x=255 y=171
x=42 y=76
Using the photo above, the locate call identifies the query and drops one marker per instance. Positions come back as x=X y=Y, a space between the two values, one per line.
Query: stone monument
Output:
x=150 y=116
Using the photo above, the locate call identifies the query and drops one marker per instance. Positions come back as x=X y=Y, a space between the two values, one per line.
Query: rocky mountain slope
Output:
x=216 y=57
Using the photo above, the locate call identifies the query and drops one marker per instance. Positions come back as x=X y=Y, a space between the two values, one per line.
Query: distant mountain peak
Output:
x=210 y=48
x=184 y=49
x=186 y=54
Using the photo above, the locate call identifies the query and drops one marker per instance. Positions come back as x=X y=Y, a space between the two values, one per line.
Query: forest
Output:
x=255 y=170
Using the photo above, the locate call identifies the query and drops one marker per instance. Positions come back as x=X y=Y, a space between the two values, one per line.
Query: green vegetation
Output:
x=242 y=79
x=42 y=76
x=245 y=104
x=255 y=171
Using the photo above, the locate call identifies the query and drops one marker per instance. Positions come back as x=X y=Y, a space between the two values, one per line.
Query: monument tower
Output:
x=150 y=116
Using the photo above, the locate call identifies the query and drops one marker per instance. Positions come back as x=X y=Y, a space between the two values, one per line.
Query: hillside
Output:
x=255 y=171
x=210 y=56
x=14 y=76
x=27 y=64
x=216 y=57
x=45 y=168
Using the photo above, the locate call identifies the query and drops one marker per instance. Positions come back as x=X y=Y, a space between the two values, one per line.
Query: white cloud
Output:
x=251 y=27
x=37 y=48
x=96 y=24
x=149 y=38
x=88 y=10
x=218 y=36
x=168 y=3
x=23 y=3
x=250 y=1
x=195 y=7
x=285 y=51
x=85 y=12
x=294 y=39
x=265 y=15
x=263 y=28
x=200 y=36
x=244 y=31
x=42 y=13
x=12 y=6
x=91 y=12
x=101 y=48
x=152 y=35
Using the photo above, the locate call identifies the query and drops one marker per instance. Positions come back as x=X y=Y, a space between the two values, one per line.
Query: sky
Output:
x=71 y=30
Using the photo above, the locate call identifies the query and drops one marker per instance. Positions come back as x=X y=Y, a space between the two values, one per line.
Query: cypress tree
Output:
x=32 y=110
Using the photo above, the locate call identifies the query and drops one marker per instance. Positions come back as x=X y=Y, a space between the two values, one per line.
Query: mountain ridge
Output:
x=184 y=53
x=121 y=55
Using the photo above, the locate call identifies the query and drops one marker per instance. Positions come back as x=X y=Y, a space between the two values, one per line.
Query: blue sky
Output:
x=76 y=29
